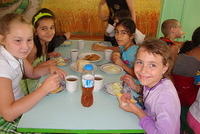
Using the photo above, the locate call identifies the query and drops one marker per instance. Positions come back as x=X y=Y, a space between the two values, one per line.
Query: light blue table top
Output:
x=64 y=113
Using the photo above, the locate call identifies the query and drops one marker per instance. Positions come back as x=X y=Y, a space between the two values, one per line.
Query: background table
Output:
x=64 y=113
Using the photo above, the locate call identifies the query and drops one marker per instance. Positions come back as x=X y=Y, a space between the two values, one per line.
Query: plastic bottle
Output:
x=87 y=85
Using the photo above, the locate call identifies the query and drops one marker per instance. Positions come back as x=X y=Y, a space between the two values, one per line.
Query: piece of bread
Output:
x=80 y=64
x=57 y=90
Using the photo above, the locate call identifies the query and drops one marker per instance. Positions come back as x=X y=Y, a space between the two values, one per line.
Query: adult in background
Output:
x=115 y=6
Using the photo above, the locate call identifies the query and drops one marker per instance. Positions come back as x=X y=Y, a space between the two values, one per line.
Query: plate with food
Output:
x=113 y=88
x=79 y=64
x=111 y=68
x=57 y=90
x=116 y=89
x=67 y=43
x=92 y=57
x=60 y=61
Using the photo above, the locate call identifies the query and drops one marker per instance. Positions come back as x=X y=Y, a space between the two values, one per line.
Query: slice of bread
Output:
x=80 y=64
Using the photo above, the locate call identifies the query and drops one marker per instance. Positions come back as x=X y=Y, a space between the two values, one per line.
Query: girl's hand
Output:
x=51 y=62
x=115 y=55
x=129 y=81
x=56 y=70
x=67 y=35
x=126 y=104
x=51 y=83
x=54 y=54
x=118 y=62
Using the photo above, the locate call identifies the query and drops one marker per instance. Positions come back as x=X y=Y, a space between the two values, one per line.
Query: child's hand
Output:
x=118 y=61
x=67 y=35
x=54 y=54
x=129 y=81
x=56 y=70
x=115 y=56
x=51 y=83
x=126 y=104
x=49 y=63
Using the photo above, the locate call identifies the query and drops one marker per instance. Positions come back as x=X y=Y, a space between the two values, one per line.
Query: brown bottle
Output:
x=87 y=97
x=87 y=86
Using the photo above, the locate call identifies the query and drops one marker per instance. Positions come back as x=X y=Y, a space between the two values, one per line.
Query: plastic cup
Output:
x=108 y=53
x=74 y=54
x=81 y=44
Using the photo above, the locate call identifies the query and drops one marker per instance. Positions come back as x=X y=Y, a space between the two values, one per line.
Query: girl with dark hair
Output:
x=45 y=39
x=125 y=35
x=124 y=54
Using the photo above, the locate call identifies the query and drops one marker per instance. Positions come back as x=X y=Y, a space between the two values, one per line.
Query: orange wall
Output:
x=82 y=15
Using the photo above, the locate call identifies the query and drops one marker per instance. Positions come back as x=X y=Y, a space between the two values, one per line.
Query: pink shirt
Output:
x=162 y=108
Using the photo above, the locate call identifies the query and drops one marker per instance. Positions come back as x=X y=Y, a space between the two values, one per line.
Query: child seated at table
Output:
x=45 y=42
x=110 y=31
x=124 y=54
x=16 y=37
x=45 y=39
x=161 y=112
x=172 y=30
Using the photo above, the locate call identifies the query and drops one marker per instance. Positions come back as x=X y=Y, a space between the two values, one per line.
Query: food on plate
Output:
x=67 y=42
x=115 y=89
x=80 y=64
x=56 y=90
x=116 y=86
x=112 y=68
x=60 y=61
x=91 y=57
x=99 y=47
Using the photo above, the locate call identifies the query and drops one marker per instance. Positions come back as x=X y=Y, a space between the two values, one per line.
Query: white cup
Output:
x=98 y=82
x=81 y=44
x=74 y=54
x=110 y=28
x=108 y=53
x=71 y=83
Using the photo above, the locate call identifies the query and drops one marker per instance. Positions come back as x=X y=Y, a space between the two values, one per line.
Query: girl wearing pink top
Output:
x=161 y=112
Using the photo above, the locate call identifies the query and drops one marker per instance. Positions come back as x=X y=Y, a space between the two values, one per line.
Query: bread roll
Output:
x=80 y=64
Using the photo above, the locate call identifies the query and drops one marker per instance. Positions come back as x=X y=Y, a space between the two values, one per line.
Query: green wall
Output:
x=186 y=11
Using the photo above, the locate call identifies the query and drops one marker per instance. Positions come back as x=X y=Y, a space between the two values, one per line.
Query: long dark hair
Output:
x=195 y=42
x=35 y=21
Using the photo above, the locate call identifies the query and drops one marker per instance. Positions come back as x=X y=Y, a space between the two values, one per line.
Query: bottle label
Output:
x=88 y=81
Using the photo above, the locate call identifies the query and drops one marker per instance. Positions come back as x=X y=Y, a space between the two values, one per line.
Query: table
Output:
x=64 y=113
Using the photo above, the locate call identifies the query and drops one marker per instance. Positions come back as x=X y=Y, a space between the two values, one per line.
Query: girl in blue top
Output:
x=124 y=35
x=124 y=54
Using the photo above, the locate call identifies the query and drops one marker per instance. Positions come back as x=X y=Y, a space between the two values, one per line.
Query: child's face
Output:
x=45 y=30
x=19 y=40
x=178 y=31
x=149 y=68
x=122 y=37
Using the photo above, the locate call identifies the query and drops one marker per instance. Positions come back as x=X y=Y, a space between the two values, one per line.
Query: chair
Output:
x=187 y=90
